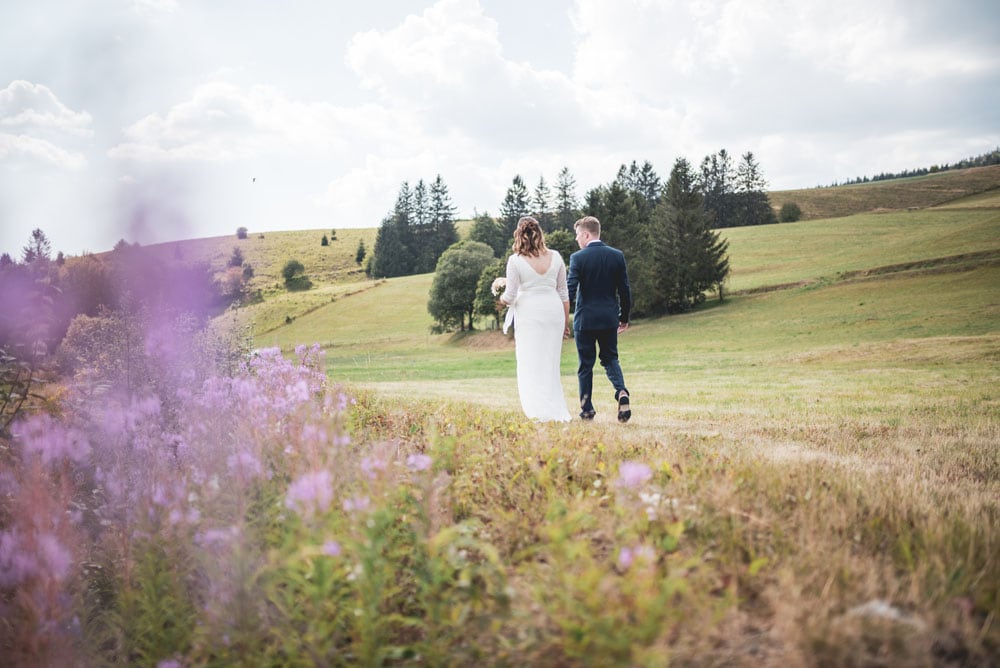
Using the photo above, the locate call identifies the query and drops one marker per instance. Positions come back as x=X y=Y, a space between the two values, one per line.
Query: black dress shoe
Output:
x=588 y=415
x=624 y=410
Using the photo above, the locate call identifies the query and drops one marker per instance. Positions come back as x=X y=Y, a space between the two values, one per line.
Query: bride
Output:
x=538 y=298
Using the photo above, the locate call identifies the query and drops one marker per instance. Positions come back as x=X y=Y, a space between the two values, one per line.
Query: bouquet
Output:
x=499 y=285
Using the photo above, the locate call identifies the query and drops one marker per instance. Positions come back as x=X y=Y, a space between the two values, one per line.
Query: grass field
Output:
x=837 y=414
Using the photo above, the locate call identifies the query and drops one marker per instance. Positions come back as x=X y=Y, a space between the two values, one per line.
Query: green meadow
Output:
x=826 y=440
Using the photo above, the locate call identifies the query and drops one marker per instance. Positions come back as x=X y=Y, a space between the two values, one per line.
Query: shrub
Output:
x=241 y=233
x=292 y=269
x=790 y=212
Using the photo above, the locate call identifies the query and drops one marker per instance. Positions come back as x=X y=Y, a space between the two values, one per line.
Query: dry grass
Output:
x=917 y=192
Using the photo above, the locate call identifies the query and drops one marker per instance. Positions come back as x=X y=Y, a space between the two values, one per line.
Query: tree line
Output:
x=665 y=228
x=415 y=234
x=982 y=160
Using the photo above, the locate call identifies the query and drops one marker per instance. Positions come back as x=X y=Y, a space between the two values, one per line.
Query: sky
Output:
x=158 y=120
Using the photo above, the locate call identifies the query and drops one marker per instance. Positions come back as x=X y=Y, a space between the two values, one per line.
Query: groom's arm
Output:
x=624 y=293
x=573 y=280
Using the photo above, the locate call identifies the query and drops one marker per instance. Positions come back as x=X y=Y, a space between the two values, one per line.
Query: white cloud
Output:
x=35 y=126
x=154 y=7
x=33 y=107
x=330 y=109
x=23 y=146
x=225 y=122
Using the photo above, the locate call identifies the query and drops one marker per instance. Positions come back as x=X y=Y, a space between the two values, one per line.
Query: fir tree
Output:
x=752 y=204
x=442 y=215
x=718 y=187
x=540 y=202
x=514 y=206
x=567 y=207
x=689 y=258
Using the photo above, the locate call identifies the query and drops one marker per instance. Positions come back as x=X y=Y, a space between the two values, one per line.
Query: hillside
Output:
x=864 y=227
x=919 y=192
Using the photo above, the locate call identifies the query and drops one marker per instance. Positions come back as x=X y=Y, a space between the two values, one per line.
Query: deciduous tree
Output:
x=453 y=292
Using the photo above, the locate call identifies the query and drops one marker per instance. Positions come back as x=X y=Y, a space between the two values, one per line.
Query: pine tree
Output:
x=717 y=183
x=542 y=206
x=421 y=239
x=390 y=256
x=752 y=204
x=38 y=248
x=624 y=227
x=514 y=206
x=567 y=207
x=442 y=214
x=648 y=185
x=689 y=258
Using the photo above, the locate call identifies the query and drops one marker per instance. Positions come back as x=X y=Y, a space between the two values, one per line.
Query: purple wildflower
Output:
x=371 y=466
x=628 y=556
x=54 y=555
x=41 y=435
x=16 y=563
x=331 y=548
x=418 y=462
x=310 y=492
x=217 y=537
x=357 y=503
x=633 y=474
x=625 y=558
x=245 y=465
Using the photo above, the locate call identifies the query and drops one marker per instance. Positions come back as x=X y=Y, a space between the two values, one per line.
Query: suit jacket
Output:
x=598 y=286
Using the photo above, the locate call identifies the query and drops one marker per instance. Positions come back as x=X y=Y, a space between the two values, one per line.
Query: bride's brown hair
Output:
x=528 y=238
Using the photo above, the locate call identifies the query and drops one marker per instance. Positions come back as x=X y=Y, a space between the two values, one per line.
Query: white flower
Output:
x=499 y=285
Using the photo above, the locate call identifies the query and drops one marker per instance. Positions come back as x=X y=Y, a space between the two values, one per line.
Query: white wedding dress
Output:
x=536 y=308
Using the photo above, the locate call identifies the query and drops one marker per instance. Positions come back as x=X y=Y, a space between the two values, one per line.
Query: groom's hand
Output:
x=622 y=326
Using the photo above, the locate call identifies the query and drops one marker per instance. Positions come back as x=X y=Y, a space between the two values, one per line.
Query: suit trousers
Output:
x=588 y=341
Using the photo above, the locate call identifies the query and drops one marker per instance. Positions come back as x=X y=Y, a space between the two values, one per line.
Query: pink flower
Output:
x=632 y=475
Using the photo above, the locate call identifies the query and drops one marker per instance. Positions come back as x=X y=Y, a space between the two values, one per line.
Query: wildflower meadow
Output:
x=241 y=521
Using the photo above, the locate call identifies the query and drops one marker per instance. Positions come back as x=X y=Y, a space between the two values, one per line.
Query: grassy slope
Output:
x=842 y=430
x=897 y=194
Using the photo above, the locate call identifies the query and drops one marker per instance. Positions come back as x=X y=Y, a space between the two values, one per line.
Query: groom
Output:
x=598 y=285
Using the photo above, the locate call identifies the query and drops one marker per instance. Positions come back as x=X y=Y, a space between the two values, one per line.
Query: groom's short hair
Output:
x=589 y=224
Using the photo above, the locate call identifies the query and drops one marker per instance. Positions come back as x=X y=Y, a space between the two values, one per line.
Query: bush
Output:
x=790 y=212
x=241 y=233
x=292 y=269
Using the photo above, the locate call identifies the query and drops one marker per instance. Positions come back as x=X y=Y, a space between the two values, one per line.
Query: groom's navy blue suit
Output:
x=598 y=286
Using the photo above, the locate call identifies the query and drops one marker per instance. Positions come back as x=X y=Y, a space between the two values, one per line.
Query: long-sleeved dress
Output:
x=536 y=306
